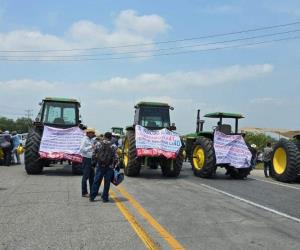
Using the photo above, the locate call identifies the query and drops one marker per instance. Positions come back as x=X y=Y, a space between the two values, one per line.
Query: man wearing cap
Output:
x=104 y=170
x=86 y=150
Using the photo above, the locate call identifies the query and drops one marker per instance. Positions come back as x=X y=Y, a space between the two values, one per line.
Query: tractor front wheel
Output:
x=131 y=164
x=238 y=173
x=172 y=167
x=203 y=158
x=33 y=162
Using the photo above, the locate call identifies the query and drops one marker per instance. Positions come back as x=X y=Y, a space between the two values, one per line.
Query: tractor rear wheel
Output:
x=298 y=144
x=203 y=158
x=172 y=167
x=33 y=162
x=285 y=161
x=131 y=164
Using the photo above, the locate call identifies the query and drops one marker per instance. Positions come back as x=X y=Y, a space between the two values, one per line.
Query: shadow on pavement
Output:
x=119 y=199
x=59 y=170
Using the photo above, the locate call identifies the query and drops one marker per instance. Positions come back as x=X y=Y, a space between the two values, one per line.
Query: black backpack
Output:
x=105 y=155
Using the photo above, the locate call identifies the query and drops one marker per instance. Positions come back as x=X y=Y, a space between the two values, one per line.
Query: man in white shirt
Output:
x=86 y=150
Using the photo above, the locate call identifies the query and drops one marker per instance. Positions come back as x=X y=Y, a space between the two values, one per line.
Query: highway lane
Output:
x=201 y=218
x=47 y=211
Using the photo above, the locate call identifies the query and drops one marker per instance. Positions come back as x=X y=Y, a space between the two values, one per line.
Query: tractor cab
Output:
x=59 y=112
x=224 y=127
x=153 y=115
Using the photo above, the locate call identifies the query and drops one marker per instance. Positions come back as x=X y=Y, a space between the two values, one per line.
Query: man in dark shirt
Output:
x=103 y=170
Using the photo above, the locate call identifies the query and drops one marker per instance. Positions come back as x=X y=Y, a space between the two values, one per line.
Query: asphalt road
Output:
x=48 y=212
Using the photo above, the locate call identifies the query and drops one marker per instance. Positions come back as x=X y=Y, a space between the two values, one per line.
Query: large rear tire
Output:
x=131 y=164
x=285 y=161
x=172 y=167
x=203 y=158
x=33 y=162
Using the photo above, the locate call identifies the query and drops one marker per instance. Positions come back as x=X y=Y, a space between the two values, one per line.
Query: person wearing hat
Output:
x=107 y=158
x=86 y=150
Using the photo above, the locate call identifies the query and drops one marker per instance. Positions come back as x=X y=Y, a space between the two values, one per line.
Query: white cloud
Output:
x=179 y=79
x=26 y=85
x=102 y=109
x=147 y=25
x=130 y=28
x=267 y=101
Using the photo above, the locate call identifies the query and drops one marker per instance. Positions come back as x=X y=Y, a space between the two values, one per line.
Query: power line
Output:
x=154 y=50
x=155 y=55
x=159 y=42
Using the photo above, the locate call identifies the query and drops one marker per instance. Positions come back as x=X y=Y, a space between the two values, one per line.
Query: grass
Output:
x=259 y=166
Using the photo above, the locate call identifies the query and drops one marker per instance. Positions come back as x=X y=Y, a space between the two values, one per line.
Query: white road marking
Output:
x=275 y=183
x=252 y=203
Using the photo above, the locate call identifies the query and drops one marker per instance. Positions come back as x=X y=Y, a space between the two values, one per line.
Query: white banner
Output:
x=232 y=149
x=60 y=143
x=156 y=142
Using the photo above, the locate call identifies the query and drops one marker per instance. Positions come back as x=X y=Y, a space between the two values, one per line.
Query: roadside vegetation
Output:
x=20 y=125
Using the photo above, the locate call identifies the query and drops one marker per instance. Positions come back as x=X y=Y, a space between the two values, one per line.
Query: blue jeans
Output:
x=101 y=172
x=88 y=174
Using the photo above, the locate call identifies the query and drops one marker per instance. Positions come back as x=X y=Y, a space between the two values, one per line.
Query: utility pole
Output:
x=28 y=115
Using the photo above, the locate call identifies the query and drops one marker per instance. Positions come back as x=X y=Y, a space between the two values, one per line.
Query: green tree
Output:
x=260 y=140
x=20 y=125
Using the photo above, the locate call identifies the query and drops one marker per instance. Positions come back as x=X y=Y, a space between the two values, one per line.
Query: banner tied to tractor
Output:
x=58 y=144
x=232 y=149
x=155 y=143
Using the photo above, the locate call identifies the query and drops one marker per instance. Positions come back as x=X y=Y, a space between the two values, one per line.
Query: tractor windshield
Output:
x=60 y=113
x=154 y=117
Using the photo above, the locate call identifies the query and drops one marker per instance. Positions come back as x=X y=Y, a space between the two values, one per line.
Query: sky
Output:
x=112 y=54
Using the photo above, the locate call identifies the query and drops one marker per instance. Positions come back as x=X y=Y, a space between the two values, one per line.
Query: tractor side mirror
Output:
x=173 y=127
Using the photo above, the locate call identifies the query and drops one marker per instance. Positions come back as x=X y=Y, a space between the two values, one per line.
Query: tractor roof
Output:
x=153 y=104
x=224 y=115
x=60 y=99
x=116 y=128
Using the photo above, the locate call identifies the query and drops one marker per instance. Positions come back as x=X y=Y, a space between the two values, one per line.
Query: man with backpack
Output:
x=106 y=158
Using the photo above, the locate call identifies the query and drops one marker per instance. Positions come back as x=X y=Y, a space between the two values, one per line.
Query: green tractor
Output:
x=55 y=112
x=200 y=147
x=118 y=131
x=153 y=116
x=286 y=160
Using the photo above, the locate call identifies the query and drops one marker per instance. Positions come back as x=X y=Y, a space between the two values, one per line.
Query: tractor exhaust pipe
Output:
x=198 y=121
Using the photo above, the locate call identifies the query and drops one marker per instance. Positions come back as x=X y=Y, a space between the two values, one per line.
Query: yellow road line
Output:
x=173 y=243
x=144 y=236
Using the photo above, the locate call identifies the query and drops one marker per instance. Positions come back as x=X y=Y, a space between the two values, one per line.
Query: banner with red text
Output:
x=155 y=143
x=60 y=143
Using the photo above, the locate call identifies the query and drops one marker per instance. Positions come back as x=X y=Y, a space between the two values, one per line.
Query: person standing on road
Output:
x=86 y=150
x=107 y=157
x=15 y=144
x=267 y=157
